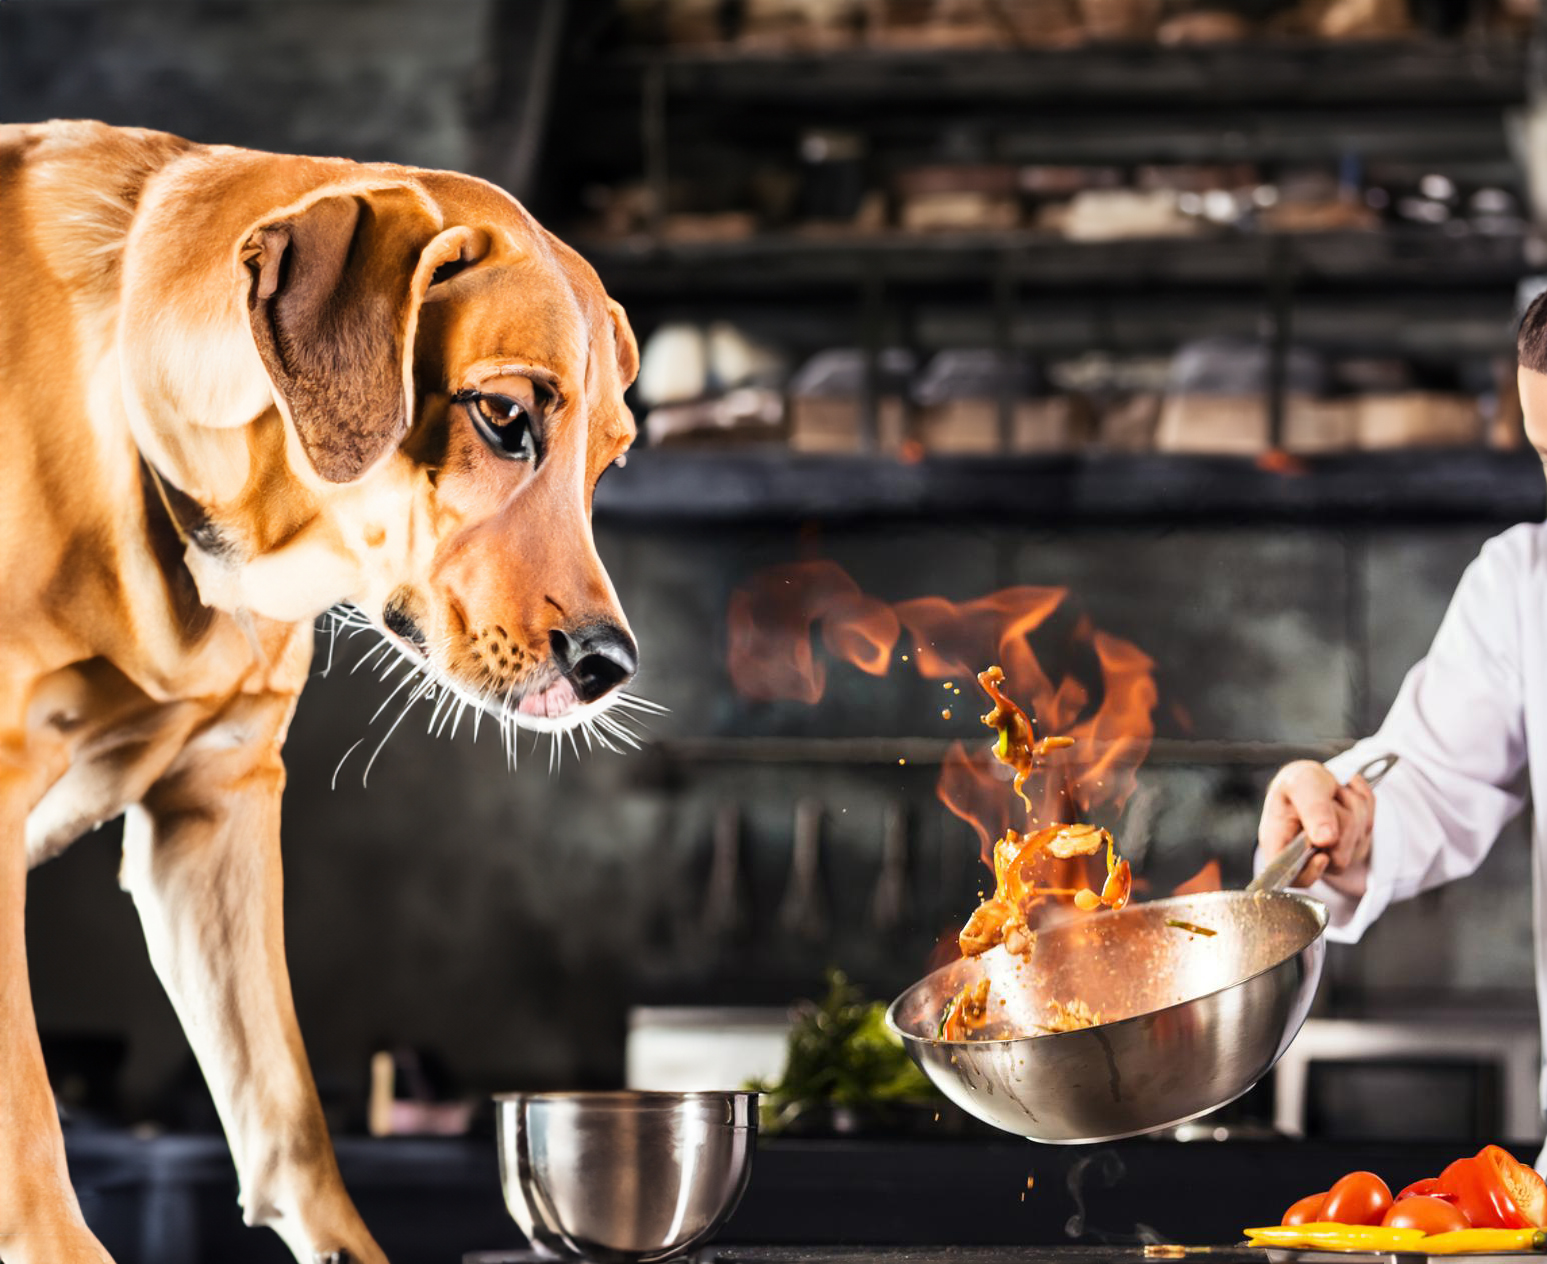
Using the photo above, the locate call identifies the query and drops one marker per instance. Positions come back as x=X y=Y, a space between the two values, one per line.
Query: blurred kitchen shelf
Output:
x=1389 y=259
x=930 y=751
x=1419 y=487
x=1417 y=71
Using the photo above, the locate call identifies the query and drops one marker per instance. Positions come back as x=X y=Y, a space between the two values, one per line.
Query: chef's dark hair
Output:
x=1531 y=343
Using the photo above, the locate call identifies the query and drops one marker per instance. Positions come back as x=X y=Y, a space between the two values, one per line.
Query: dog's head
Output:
x=447 y=387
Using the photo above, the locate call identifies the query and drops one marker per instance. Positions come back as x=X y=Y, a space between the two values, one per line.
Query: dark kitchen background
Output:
x=1200 y=308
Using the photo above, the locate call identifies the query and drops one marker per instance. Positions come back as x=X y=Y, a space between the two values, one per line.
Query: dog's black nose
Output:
x=596 y=658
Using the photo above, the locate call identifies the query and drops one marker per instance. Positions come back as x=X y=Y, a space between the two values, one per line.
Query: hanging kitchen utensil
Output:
x=889 y=901
x=1198 y=996
x=803 y=912
x=725 y=913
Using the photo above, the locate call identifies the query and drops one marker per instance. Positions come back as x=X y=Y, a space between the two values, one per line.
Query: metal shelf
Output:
x=926 y=751
x=1078 y=491
x=1390 y=259
x=1417 y=71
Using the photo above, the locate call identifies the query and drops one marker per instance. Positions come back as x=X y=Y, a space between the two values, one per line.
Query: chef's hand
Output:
x=1338 y=820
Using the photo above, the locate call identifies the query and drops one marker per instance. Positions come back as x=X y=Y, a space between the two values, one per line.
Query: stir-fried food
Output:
x=1002 y=918
x=967 y=1014
x=1071 y=1016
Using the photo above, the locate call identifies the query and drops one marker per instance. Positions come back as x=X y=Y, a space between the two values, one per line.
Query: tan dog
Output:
x=236 y=389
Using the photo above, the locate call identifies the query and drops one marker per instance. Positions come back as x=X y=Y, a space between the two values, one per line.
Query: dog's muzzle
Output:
x=595 y=659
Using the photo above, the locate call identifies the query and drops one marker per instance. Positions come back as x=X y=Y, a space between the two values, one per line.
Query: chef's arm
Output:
x=1457 y=726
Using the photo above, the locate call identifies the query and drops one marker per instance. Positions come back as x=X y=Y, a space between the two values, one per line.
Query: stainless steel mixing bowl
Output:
x=624 y=1178
x=1190 y=1021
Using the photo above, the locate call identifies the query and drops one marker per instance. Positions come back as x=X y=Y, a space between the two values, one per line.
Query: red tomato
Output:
x=1432 y=1215
x=1360 y=1198
x=1429 y=1187
x=1481 y=1194
x=1306 y=1211
x=1523 y=1184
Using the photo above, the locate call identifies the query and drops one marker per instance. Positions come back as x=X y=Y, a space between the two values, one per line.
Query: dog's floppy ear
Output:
x=334 y=302
x=627 y=345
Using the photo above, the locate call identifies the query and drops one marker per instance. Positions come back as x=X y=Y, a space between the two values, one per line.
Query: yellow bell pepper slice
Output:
x=1326 y=1236
x=1459 y=1240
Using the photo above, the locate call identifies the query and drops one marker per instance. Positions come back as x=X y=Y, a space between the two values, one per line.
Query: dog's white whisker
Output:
x=332 y=644
x=365 y=777
x=624 y=735
x=442 y=709
x=619 y=730
x=454 y=704
x=333 y=785
x=597 y=729
x=377 y=652
x=457 y=718
x=507 y=738
x=637 y=703
x=396 y=690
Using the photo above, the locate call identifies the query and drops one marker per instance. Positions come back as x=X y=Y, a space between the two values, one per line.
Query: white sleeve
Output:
x=1458 y=726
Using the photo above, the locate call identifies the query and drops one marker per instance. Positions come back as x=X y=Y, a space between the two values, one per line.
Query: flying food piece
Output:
x=985 y=928
x=1016 y=747
x=1003 y=917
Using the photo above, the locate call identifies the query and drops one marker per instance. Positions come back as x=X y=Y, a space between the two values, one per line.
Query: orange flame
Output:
x=972 y=791
x=861 y=630
x=770 y=622
x=1117 y=737
x=1111 y=720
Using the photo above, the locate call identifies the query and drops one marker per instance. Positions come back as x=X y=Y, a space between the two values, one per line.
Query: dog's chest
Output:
x=104 y=738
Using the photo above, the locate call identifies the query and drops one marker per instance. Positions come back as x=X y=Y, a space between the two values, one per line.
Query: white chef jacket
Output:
x=1465 y=724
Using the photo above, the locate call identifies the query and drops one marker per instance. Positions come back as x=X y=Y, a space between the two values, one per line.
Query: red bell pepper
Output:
x=1429 y=1187
x=1523 y=1183
x=1494 y=1191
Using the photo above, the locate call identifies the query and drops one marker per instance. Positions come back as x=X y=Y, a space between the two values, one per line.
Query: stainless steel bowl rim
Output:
x=1317 y=908
x=638 y=1099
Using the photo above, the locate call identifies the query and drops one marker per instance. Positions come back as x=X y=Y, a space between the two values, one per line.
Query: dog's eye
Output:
x=504 y=424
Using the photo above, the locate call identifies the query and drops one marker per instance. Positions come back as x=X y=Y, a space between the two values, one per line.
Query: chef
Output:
x=1469 y=725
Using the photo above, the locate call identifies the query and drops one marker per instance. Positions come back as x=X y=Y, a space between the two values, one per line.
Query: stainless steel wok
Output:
x=1188 y=1021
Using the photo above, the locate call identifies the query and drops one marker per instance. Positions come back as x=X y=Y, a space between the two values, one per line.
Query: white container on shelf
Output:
x=687 y=1048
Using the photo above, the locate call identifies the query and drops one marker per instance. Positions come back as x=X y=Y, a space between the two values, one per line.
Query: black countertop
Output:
x=172 y=1199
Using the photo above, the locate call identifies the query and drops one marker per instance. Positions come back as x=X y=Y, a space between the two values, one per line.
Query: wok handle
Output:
x=1280 y=871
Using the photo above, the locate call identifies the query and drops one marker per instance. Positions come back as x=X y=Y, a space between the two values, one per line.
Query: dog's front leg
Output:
x=40 y=1219
x=201 y=859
